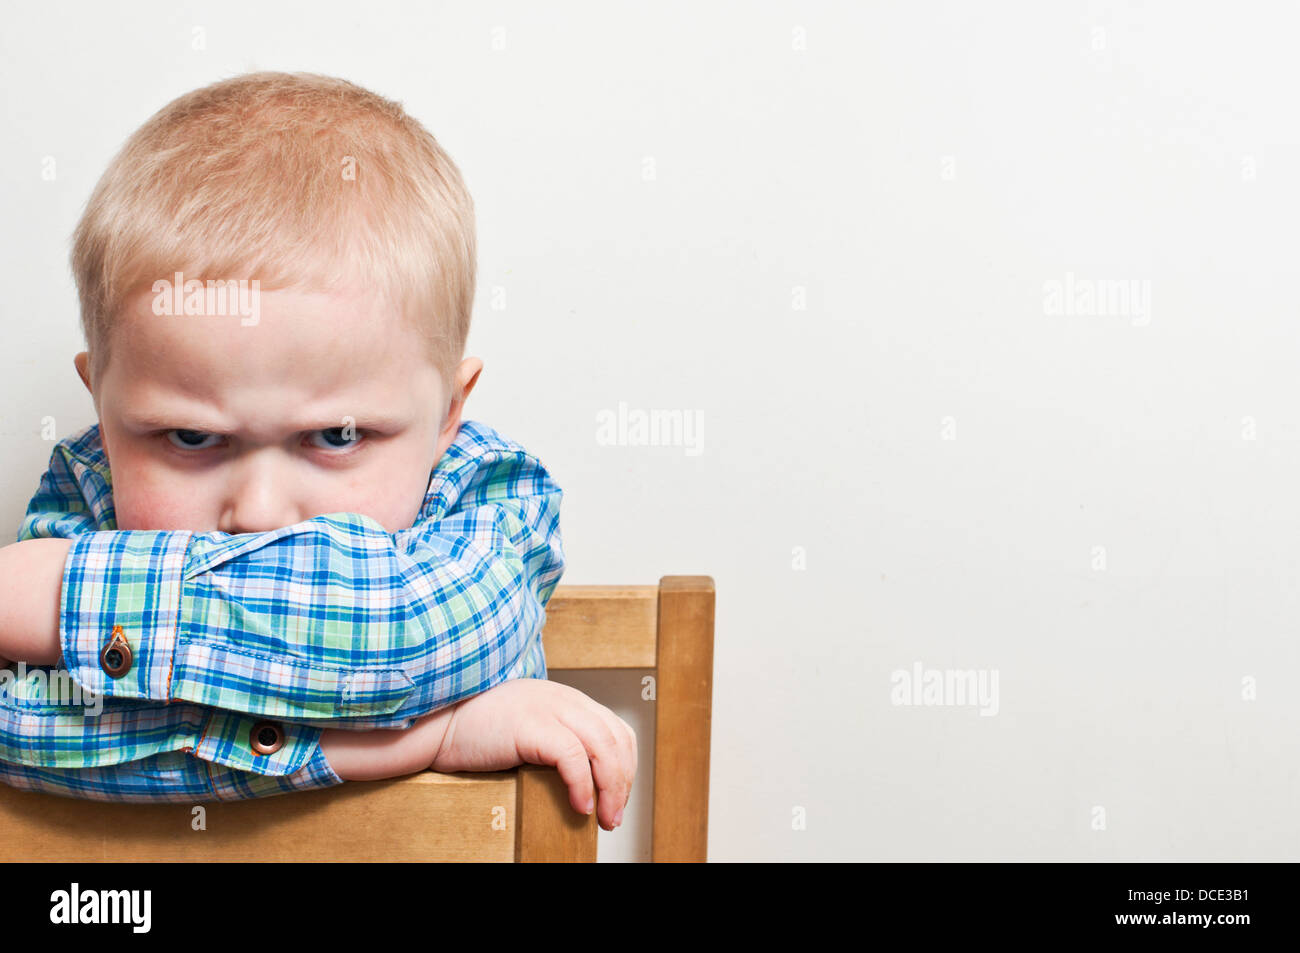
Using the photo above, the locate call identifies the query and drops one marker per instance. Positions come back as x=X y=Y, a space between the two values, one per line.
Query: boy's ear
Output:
x=466 y=377
x=82 y=363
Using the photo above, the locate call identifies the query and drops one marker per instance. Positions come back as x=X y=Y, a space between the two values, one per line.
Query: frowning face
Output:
x=329 y=403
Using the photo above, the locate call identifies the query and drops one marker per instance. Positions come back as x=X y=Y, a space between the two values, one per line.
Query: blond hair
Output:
x=294 y=179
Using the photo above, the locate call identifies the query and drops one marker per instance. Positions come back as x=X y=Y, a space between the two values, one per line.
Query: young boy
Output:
x=281 y=542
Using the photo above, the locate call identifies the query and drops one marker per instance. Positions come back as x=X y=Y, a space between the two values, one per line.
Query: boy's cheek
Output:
x=142 y=500
x=155 y=511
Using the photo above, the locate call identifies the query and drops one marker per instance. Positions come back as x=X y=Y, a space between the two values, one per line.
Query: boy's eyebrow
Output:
x=187 y=420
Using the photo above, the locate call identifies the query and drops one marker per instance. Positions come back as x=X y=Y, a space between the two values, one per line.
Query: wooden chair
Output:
x=520 y=815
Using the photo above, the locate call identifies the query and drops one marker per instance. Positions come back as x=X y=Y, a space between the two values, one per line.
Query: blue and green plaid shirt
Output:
x=331 y=622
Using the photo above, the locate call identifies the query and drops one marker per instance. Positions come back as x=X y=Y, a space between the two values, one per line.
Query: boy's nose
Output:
x=259 y=499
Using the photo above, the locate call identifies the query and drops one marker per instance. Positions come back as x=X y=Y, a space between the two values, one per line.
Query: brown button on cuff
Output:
x=116 y=657
x=266 y=737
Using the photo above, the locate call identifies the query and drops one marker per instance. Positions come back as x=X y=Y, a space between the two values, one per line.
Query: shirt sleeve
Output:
x=332 y=621
x=48 y=723
x=171 y=776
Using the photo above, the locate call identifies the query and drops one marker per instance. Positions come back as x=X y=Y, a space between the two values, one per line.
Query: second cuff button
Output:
x=266 y=737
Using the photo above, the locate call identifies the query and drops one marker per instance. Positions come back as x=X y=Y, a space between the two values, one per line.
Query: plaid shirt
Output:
x=331 y=622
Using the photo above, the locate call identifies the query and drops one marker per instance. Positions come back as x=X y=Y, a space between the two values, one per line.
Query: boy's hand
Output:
x=534 y=721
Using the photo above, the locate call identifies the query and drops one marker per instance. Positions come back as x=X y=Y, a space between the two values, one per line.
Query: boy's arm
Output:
x=524 y=721
x=31 y=575
x=332 y=620
x=169 y=776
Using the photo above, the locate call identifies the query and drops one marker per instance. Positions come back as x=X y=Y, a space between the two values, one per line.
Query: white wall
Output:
x=948 y=453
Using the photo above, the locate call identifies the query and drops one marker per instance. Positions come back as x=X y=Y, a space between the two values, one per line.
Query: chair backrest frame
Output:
x=666 y=628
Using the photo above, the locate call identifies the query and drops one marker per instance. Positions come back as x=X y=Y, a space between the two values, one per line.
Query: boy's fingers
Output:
x=632 y=755
x=607 y=760
x=626 y=738
x=625 y=732
x=559 y=746
x=626 y=748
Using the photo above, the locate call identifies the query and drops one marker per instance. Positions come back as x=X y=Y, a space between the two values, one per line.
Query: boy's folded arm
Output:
x=164 y=774
x=39 y=734
x=113 y=753
x=475 y=651
x=329 y=618
x=332 y=620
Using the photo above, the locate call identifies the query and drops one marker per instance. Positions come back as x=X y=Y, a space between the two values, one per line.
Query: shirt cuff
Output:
x=127 y=582
x=228 y=739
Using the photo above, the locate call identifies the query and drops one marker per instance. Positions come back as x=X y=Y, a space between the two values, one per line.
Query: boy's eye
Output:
x=192 y=439
x=334 y=438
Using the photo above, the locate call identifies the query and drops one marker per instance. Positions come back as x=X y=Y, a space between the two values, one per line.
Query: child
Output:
x=299 y=545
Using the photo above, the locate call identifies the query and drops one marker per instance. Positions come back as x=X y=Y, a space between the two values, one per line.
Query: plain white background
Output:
x=830 y=231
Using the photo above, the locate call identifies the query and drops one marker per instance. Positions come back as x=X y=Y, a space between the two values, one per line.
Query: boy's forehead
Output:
x=303 y=347
x=282 y=330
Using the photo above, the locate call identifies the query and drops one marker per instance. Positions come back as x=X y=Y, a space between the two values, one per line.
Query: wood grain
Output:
x=598 y=627
x=683 y=718
x=550 y=830
x=423 y=817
